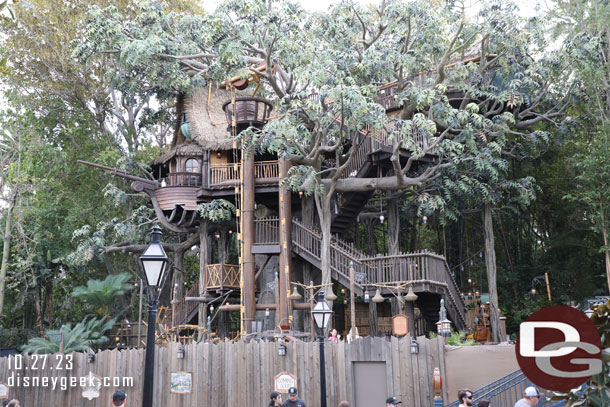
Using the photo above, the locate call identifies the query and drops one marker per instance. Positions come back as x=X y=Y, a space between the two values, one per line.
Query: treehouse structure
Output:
x=267 y=280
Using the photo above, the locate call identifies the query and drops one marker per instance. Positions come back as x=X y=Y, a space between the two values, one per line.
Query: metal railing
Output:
x=505 y=392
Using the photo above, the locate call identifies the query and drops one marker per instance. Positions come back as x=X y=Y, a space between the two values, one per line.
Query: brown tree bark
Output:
x=203 y=262
x=490 y=265
x=393 y=227
x=6 y=249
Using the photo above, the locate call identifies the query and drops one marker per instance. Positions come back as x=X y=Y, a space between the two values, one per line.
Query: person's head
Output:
x=118 y=398
x=344 y=403
x=392 y=401
x=532 y=396
x=465 y=397
x=292 y=393
x=275 y=398
x=483 y=403
x=13 y=403
x=333 y=332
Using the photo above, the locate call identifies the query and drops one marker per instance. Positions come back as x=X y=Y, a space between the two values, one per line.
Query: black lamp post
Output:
x=154 y=262
x=321 y=314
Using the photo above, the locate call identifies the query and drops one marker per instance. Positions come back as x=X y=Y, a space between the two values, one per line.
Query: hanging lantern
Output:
x=378 y=297
x=281 y=349
x=414 y=347
x=381 y=218
x=180 y=353
x=411 y=296
x=295 y=296
x=367 y=298
x=425 y=219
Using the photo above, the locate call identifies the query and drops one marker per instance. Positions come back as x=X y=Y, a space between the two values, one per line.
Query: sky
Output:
x=527 y=7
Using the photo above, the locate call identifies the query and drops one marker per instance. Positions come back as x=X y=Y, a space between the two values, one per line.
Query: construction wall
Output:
x=472 y=367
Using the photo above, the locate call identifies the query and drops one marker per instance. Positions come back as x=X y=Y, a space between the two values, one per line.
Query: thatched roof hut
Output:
x=188 y=148
x=207 y=121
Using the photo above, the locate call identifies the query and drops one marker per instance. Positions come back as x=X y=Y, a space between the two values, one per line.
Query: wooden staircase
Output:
x=428 y=272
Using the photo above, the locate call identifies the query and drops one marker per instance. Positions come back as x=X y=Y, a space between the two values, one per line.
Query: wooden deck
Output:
x=425 y=271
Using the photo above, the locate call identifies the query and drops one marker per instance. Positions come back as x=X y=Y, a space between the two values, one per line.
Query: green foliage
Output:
x=101 y=294
x=457 y=339
x=217 y=210
x=84 y=335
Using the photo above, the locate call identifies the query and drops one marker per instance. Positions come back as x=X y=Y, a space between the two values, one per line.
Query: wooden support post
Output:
x=352 y=301
x=548 y=286
x=248 y=238
x=410 y=308
x=311 y=320
x=285 y=237
x=202 y=310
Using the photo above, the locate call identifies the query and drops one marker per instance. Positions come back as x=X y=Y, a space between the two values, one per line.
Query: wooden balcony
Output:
x=228 y=174
x=222 y=276
x=183 y=179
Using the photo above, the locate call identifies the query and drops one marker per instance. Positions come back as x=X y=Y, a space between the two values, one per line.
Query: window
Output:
x=191 y=165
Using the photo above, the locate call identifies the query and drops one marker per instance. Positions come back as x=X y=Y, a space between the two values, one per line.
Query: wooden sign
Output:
x=283 y=381
x=3 y=391
x=91 y=390
x=180 y=382
x=400 y=325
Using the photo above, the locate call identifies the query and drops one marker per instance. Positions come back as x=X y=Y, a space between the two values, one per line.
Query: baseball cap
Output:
x=531 y=392
x=292 y=391
x=119 y=396
x=392 y=400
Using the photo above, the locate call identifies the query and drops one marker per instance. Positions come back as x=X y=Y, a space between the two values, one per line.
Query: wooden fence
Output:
x=239 y=373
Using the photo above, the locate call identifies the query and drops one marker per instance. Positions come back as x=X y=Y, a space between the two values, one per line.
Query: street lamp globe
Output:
x=154 y=260
x=321 y=312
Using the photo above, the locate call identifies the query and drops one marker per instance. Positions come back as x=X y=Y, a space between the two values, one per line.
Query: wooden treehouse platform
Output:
x=426 y=272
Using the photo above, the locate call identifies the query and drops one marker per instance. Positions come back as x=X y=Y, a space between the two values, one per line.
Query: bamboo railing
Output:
x=222 y=276
x=224 y=173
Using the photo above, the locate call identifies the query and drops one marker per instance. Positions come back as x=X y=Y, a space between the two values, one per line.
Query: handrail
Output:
x=219 y=173
x=505 y=391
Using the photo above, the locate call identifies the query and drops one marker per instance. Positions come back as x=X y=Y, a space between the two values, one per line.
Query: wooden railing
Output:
x=422 y=266
x=182 y=179
x=267 y=230
x=222 y=276
x=221 y=174
x=266 y=169
x=363 y=149
x=183 y=308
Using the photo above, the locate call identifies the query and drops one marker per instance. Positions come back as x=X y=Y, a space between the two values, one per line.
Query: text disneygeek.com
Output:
x=63 y=383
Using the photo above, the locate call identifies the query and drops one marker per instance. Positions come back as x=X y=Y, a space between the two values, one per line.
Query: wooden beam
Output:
x=258 y=273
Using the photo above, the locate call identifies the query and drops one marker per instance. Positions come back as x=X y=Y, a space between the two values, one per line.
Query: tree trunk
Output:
x=177 y=285
x=324 y=214
x=606 y=255
x=6 y=249
x=373 y=319
x=393 y=227
x=203 y=262
x=369 y=224
x=490 y=265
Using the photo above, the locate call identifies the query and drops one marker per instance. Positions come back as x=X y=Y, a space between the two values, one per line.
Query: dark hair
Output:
x=483 y=403
x=273 y=397
x=462 y=393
